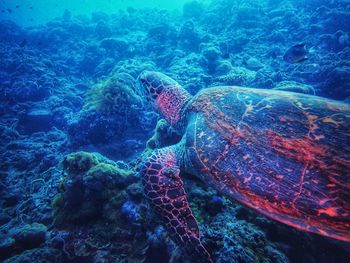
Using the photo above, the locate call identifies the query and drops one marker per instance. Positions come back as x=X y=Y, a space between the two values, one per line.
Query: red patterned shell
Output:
x=284 y=154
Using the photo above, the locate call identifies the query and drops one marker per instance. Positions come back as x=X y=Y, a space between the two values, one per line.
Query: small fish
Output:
x=9 y=10
x=295 y=54
x=17 y=6
x=2 y=11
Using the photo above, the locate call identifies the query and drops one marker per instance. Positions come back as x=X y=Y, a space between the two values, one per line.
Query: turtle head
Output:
x=164 y=93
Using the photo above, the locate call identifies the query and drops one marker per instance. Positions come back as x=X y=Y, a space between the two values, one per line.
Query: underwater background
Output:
x=73 y=125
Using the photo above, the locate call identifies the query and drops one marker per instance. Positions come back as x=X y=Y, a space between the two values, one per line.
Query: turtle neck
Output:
x=171 y=101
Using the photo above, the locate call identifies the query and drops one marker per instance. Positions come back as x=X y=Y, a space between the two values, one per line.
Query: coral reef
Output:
x=68 y=97
x=109 y=118
x=295 y=87
x=88 y=185
x=238 y=76
x=115 y=96
x=22 y=238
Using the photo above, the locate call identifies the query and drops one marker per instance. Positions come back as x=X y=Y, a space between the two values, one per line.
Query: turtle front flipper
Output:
x=164 y=189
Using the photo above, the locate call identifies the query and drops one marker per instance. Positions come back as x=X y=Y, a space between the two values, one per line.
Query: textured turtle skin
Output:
x=284 y=154
x=287 y=155
x=164 y=189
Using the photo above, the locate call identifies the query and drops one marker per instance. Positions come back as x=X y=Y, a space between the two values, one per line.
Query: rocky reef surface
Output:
x=74 y=126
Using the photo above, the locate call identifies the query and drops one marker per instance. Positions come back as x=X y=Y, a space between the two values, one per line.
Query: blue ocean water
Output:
x=75 y=124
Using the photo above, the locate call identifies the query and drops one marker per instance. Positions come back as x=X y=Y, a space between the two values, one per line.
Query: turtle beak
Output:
x=143 y=87
x=142 y=80
x=141 y=77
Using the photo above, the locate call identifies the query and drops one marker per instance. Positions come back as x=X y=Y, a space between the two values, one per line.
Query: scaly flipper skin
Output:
x=164 y=189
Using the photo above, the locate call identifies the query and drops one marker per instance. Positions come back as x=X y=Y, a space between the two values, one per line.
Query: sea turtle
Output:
x=284 y=154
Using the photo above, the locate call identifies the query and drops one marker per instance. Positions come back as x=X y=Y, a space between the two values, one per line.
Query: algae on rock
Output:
x=89 y=184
